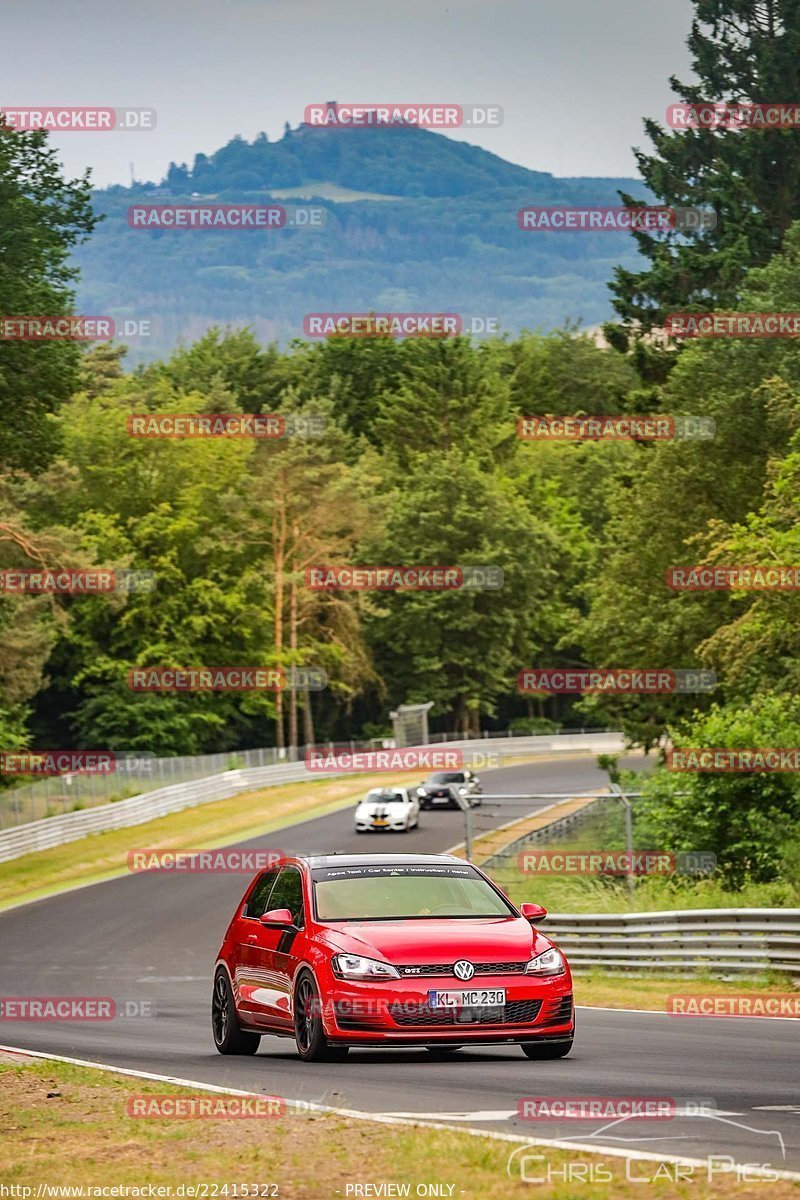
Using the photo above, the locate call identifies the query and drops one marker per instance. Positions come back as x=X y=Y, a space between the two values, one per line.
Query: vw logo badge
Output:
x=463 y=969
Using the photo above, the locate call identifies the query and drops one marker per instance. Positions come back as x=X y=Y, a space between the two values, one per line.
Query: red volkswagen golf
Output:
x=388 y=950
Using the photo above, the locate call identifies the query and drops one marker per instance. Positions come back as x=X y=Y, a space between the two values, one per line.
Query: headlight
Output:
x=420 y=791
x=549 y=963
x=353 y=966
x=462 y=791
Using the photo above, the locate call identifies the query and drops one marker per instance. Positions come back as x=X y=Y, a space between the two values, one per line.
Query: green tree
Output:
x=42 y=217
x=166 y=507
x=746 y=819
x=673 y=504
x=462 y=648
x=741 y=52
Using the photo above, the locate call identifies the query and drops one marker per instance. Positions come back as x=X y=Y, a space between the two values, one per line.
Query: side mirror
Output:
x=533 y=912
x=277 y=916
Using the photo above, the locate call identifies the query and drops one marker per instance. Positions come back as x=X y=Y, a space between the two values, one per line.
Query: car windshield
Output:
x=390 y=891
x=385 y=797
x=447 y=777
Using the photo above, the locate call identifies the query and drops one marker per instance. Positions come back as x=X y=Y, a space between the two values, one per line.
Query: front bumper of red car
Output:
x=399 y=1011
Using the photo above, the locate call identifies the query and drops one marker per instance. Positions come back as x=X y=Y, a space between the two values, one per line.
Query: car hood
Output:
x=380 y=806
x=495 y=939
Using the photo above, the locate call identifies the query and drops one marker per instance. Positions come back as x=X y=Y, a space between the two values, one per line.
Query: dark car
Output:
x=444 y=788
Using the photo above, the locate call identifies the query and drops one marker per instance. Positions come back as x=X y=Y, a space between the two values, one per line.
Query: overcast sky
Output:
x=574 y=77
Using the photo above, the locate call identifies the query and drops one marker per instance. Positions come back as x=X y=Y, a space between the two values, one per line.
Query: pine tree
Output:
x=743 y=51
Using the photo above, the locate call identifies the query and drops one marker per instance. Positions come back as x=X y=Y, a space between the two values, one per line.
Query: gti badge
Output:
x=463 y=969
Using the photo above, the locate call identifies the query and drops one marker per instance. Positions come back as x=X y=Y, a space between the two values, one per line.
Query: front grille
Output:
x=490 y=968
x=516 y=1012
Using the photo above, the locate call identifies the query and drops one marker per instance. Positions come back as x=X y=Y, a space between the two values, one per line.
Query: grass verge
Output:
x=65 y=1126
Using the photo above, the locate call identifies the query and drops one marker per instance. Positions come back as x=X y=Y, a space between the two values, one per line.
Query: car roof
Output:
x=362 y=860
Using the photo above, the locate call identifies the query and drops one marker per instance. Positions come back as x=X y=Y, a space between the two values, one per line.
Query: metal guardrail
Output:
x=712 y=939
x=135 y=774
x=56 y=830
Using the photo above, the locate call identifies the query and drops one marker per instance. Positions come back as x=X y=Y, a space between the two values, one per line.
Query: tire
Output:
x=309 y=1035
x=438 y=1051
x=546 y=1050
x=229 y=1037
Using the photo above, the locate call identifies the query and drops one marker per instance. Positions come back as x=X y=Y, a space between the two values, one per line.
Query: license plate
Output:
x=441 y=799
x=476 y=998
x=380 y=822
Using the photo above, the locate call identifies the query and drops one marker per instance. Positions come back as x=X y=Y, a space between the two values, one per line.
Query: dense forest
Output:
x=415 y=459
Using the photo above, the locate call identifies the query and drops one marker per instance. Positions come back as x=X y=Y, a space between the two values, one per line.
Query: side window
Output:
x=288 y=893
x=257 y=903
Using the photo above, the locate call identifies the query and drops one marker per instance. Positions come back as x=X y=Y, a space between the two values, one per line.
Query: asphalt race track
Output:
x=154 y=937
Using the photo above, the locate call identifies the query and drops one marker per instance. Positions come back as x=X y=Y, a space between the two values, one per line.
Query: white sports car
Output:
x=387 y=808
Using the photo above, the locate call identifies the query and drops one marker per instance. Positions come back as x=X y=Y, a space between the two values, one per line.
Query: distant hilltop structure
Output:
x=349 y=116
